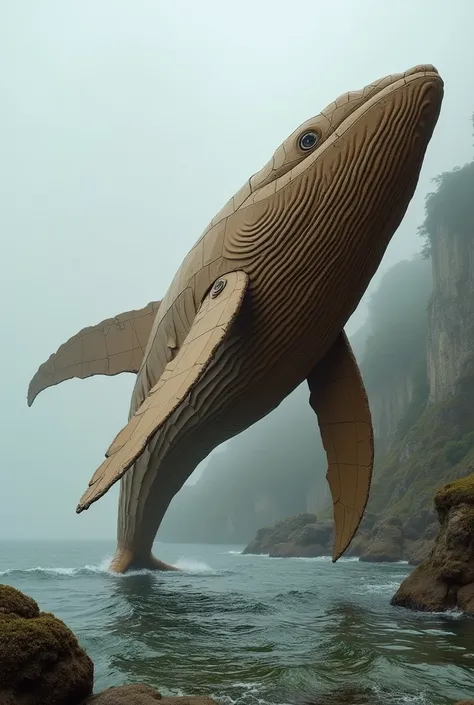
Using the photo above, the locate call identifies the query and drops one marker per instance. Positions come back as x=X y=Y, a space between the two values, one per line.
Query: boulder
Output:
x=126 y=695
x=41 y=662
x=445 y=579
x=140 y=694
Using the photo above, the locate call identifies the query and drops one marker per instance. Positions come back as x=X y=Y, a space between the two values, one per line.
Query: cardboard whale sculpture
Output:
x=257 y=307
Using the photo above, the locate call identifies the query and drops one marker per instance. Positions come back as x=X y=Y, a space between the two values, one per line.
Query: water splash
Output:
x=65 y=572
x=190 y=565
x=185 y=565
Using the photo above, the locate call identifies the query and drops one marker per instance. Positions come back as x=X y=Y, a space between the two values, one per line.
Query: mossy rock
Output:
x=455 y=493
x=41 y=662
x=445 y=579
x=13 y=601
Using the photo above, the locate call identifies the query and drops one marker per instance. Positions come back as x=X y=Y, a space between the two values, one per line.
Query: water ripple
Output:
x=250 y=629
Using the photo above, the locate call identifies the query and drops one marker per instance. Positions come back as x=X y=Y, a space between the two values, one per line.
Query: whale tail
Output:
x=125 y=560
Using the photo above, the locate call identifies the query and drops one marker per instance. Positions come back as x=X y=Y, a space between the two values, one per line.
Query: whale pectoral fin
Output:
x=210 y=326
x=113 y=346
x=338 y=396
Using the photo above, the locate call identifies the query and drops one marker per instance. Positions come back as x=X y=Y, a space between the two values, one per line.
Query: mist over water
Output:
x=248 y=629
x=129 y=126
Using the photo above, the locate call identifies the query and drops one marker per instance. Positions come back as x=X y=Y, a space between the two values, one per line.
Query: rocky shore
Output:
x=439 y=542
x=383 y=540
x=445 y=579
x=41 y=663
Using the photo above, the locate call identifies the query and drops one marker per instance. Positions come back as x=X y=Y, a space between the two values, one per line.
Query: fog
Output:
x=124 y=129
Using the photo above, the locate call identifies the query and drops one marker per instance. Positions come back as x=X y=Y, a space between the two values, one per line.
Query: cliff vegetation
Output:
x=434 y=439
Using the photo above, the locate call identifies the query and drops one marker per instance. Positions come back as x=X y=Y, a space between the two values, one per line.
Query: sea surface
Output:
x=249 y=630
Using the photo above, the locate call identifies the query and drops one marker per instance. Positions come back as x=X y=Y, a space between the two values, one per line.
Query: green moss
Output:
x=455 y=451
x=15 y=602
x=459 y=492
x=40 y=658
x=31 y=645
x=449 y=207
x=423 y=460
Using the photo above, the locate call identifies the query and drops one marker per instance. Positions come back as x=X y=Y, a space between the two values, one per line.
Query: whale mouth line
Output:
x=357 y=115
x=339 y=128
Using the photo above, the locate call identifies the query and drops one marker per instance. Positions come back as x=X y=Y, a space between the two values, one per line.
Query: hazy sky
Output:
x=125 y=126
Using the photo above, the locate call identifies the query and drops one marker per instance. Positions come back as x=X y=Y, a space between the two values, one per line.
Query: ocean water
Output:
x=249 y=630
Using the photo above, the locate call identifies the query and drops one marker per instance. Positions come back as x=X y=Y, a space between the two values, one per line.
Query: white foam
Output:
x=103 y=567
x=379 y=588
x=56 y=571
x=186 y=565
x=190 y=565
x=408 y=698
x=350 y=559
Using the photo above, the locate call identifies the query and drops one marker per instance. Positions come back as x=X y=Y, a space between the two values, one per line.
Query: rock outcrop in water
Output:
x=306 y=536
x=142 y=695
x=298 y=536
x=445 y=580
x=41 y=662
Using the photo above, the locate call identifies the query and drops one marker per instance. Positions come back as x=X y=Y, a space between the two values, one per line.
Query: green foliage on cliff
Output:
x=458 y=492
x=450 y=206
x=455 y=451
x=434 y=443
x=438 y=448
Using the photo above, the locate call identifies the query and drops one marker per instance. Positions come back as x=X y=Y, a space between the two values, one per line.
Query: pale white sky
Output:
x=124 y=128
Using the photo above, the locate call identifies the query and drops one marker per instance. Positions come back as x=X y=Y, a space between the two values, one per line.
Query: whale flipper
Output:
x=338 y=396
x=112 y=346
x=210 y=326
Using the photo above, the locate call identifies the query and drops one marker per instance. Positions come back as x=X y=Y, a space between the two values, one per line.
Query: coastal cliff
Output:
x=394 y=364
x=445 y=579
x=434 y=440
x=451 y=314
x=418 y=367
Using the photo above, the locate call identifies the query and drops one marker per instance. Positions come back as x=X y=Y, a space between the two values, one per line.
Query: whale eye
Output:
x=308 y=140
